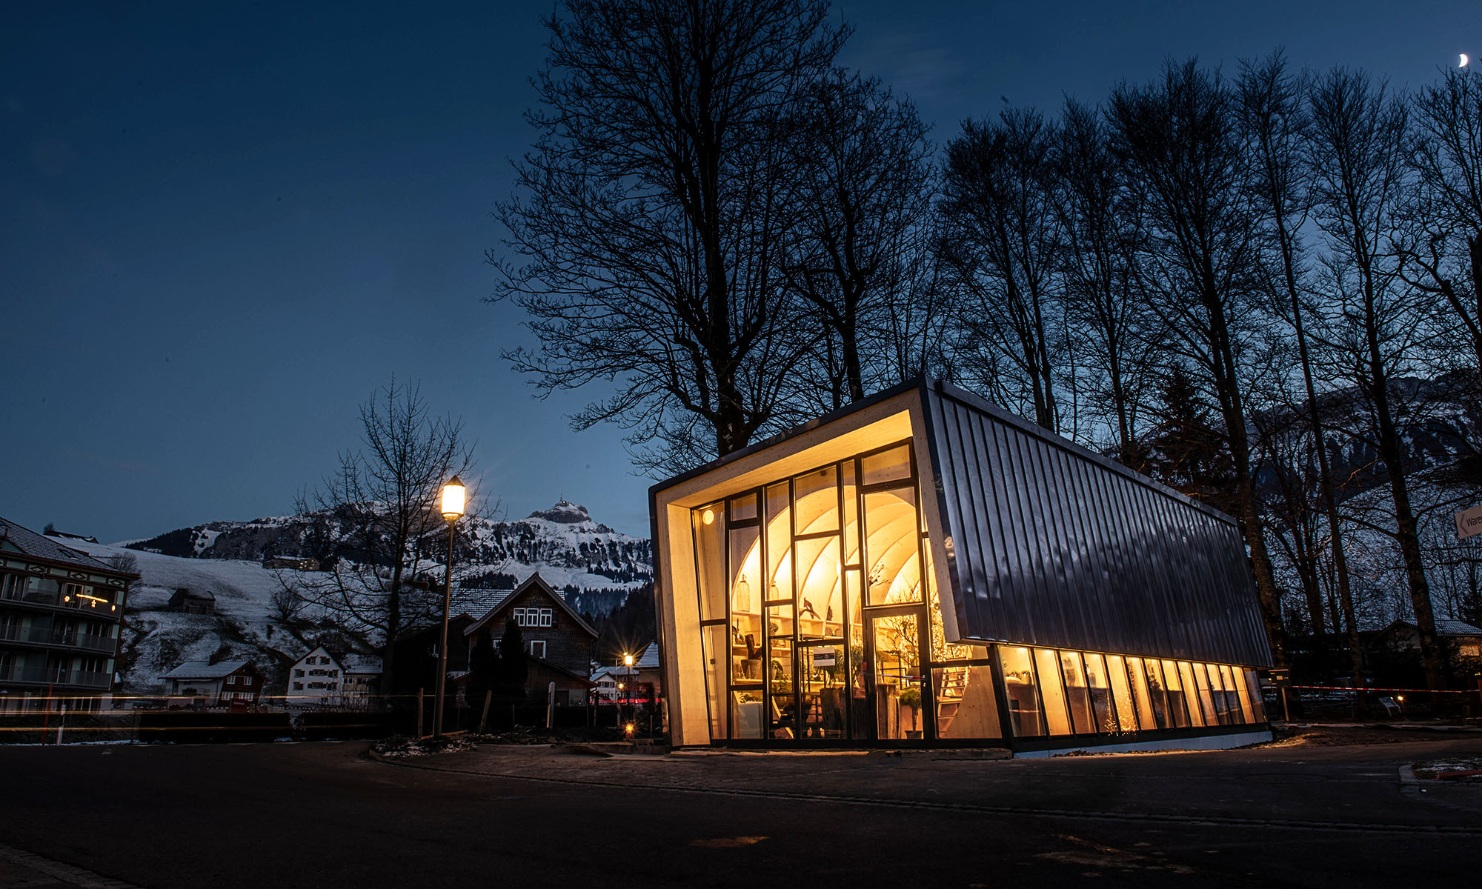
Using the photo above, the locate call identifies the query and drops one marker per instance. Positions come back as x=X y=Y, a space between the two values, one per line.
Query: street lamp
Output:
x=628 y=665
x=452 y=508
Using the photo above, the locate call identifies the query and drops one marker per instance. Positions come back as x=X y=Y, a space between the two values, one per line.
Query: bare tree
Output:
x=1447 y=155
x=382 y=506
x=1179 y=139
x=1377 y=325
x=1273 y=116
x=1002 y=242
x=646 y=240
x=1118 y=340
x=863 y=204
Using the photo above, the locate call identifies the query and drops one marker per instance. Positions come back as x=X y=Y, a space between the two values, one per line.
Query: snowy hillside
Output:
x=593 y=565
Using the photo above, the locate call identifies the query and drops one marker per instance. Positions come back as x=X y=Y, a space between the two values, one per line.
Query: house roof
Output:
x=185 y=593
x=362 y=663
x=557 y=668
x=19 y=538
x=534 y=580
x=476 y=601
x=1444 y=627
x=204 y=670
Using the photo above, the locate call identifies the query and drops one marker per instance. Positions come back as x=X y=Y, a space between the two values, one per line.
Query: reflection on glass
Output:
x=1177 y=703
x=710 y=530
x=1057 y=718
x=1101 y=703
x=1077 y=693
x=1243 y=692
x=1137 y=678
x=1116 y=671
x=717 y=652
x=782 y=711
x=897 y=677
x=891 y=546
x=1206 y=695
x=966 y=705
x=1022 y=691
x=1191 y=693
x=817 y=501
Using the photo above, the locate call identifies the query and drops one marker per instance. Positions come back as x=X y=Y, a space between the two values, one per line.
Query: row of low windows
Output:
x=535 y=617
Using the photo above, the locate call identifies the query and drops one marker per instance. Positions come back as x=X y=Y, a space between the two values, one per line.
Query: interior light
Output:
x=708 y=516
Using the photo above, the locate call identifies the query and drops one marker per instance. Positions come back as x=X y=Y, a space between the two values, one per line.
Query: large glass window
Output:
x=1102 y=708
x=892 y=546
x=1116 y=669
x=1057 y=717
x=897 y=672
x=1077 y=693
x=966 y=706
x=710 y=541
x=1021 y=690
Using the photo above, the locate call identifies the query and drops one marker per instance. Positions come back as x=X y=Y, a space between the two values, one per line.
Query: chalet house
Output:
x=188 y=601
x=557 y=639
x=60 y=614
x=223 y=684
x=416 y=657
x=362 y=680
x=315 y=680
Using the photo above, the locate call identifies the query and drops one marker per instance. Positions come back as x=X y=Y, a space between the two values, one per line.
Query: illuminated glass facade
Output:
x=802 y=590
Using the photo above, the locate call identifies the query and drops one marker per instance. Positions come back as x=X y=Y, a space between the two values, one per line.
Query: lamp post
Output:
x=628 y=684
x=452 y=508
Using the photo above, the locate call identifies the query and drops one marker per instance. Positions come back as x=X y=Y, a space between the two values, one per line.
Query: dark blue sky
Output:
x=222 y=226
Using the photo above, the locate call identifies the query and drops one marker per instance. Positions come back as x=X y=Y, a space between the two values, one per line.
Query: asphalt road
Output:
x=328 y=817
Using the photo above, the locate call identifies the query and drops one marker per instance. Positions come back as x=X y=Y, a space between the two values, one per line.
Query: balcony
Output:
x=35 y=598
x=51 y=675
x=48 y=636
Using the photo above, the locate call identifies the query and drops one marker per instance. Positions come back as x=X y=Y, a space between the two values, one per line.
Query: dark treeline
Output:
x=1258 y=285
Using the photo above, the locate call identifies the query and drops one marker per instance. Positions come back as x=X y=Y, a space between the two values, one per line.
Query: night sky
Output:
x=223 y=226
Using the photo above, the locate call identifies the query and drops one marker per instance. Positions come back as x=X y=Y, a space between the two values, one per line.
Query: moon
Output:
x=1464 y=61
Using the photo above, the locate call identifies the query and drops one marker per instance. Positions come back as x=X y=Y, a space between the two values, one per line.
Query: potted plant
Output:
x=910 y=700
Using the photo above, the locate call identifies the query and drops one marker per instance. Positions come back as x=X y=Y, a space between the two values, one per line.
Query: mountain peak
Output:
x=564 y=513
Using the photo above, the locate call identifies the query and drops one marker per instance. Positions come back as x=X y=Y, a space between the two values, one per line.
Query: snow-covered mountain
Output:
x=594 y=566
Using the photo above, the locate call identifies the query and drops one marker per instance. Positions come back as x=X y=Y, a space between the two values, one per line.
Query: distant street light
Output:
x=452 y=507
x=628 y=664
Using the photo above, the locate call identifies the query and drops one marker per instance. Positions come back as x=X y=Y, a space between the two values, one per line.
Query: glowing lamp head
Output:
x=627 y=660
x=708 y=516
x=628 y=729
x=453 y=493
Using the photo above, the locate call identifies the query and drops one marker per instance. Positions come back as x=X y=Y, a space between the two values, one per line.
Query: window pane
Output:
x=779 y=543
x=1116 y=670
x=1191 y=693
x=1053 y=694
x=782 y=711
x=746 y=714
x=887 y=466
x=1157 y=693
x=851 y=514
x=746 y=599
x=1178 y=705
x=1102 y=708
x=818 y=501
x=820 y=589
x=897 y=677
x=1077 y=693
x=1206 y=695
x=1242 y=691
x=824 y=694
x=891 y=546
x=1257 y=704
x=743 y=507
x=1138 y=679
x=1229 y=701
x=1018 y=681
x=710 y=560
x=965 y=702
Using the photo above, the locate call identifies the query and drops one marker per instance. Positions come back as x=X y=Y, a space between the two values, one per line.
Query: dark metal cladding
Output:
x=1053 y=545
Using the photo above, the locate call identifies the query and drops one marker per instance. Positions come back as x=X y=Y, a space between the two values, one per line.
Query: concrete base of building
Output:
x=1206 y=742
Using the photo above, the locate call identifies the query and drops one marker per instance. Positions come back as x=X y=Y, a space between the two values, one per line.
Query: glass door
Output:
x=823 y=693
x=895 y=661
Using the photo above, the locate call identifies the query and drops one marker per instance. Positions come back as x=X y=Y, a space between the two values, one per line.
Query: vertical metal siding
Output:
x=1056 y=546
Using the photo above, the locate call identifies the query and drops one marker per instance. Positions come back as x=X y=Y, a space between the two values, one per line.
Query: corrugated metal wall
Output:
x=1054 y=545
